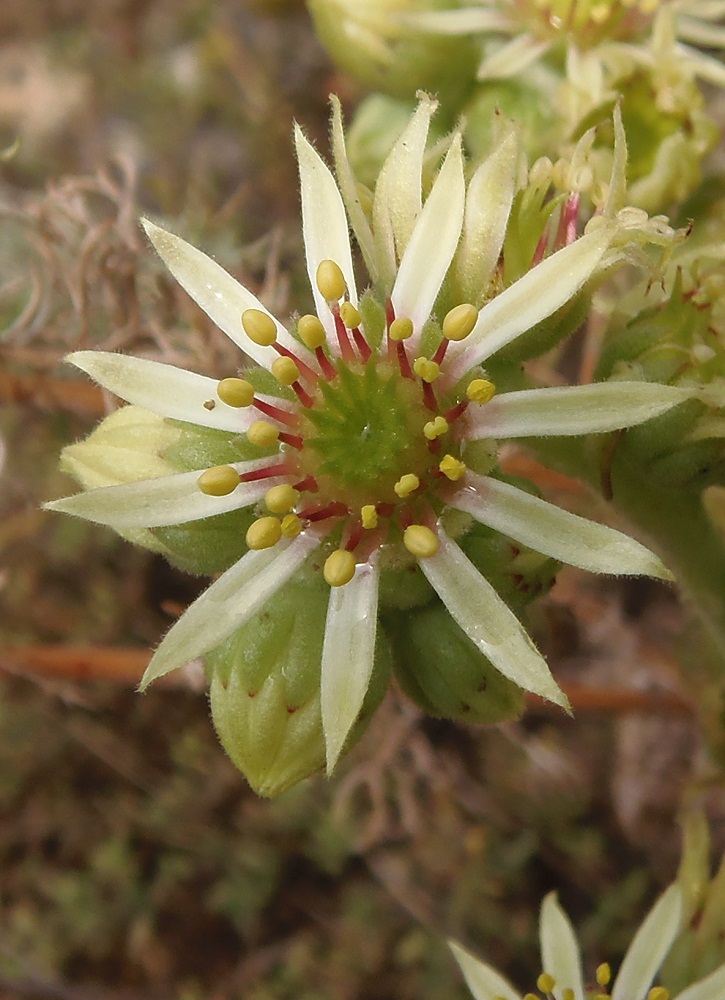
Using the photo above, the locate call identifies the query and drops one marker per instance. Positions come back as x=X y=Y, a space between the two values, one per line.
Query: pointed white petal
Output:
x=347 y=656
x=651 y=944
x=432 y=244
x=559 y=949
x=571 y=410
x=553 y=531
x=707 y=67
x=154 y=503
x=349 y=191
x=512 y=58
x=166 y=390
x=324 y=225
x=220 y=295
x=488 y=621
x=711 y=36
x=467 y=21
x=228 y=603
x=488 y=205
x=398 y=191
x=712 y=987
x=534 y=297
x=482 y=980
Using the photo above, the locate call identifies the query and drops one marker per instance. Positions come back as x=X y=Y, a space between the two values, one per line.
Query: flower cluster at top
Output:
x=359 y=448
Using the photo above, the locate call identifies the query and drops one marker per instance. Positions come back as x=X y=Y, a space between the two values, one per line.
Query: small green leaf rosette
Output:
x=266 y=689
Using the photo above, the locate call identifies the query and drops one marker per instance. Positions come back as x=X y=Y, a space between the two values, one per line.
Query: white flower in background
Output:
x=377 y=435
x=563 y=979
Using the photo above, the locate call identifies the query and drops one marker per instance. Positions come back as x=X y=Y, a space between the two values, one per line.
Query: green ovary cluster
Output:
x=364 y=432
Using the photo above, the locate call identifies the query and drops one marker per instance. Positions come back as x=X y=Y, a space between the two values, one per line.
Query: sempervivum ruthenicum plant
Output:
x=356 y=457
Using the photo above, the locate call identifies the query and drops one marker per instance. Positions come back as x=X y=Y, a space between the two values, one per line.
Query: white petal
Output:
x=488 y=621
x=553 y=531
x=228 y=603
x=534 y=297
x=711 y=36
x=467 y=21
x=482 y=980
x=712 y=987
x=398 y=191
x=571 y=410
x=432 y=244
x=488 y=205
x=347 y=656
x=324 y=225
x=220 y=295
x=166 y=390
x=709 y=68
x=349 y=191
x=559 y=949
x=651 y=944
x=155 y=503
x=512 y=58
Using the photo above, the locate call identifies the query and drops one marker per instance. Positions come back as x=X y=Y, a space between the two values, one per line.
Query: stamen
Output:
x=426 y=370
x=305 y=370
x=456 y=411
x=331 y=281
x=436 y=428
x=603 y=974
x=545 y=983
x=480 y=390
x=259 y=327
x=268 y=472
x=400 y=329
x=275 y=412
x=219 y=481
x=334 y=509
x=658 y=993
x=339 y=568
x=352 y=319
x=453 y=469
x=307 y=485
x=302 y=394
x=346 y=348
x=406 y=485
x=429 y=397
x=568 y=994
x=264 y=533
x=354 y=537
x=459 y=322
x=235 y=392
x=403 y=362
x=263 y=434
x=293 y=440
x=311 y=332
x=369 y=516
x=441 y=352
x=285 y=370
x=420 y=541
x=291 y=526
x=281 y=499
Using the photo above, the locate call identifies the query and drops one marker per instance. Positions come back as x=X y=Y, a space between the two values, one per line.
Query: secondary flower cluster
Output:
x=361 y=447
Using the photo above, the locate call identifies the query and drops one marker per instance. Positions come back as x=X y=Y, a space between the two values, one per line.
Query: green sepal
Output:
x=441 y=670
x=265 y=689
x=542 y=337
x=209 y=546
x=203 y=447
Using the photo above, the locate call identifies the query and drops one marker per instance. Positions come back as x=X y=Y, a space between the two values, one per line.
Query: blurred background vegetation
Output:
x=134 y=861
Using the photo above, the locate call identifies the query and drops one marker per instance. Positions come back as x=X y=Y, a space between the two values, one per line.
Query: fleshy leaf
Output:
x=432 y=244
x=559 y=949
x=572 y=409
x=553 y=531
x=156 y=503
x=220 y=295
x=166 y=390
x=482 y=980
x=348 y=655
x=488 y=621
x=650 y=946
x=228 y=603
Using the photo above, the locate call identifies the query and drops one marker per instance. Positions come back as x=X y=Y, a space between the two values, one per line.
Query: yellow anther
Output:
x=658 y=993
x=435 y=428
x=406 y=485
x=603 y=974
x=480 y=390
x=426 y=369
x=420 y=541
x=331 y=281
x=350 y=316
x=281 y=499
x=339 y=568
x=531 y=996
x=567 y=994
x=545 y=983
x=264 y=533
x=460 y=321
x=311 y=332
x=291 y=526
x=285 y=370
x=401 y=328
x=369 y=516
x=259 y=327
x=263 y=434
x=219 y=481
x=235 y=392
x=452 y=468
